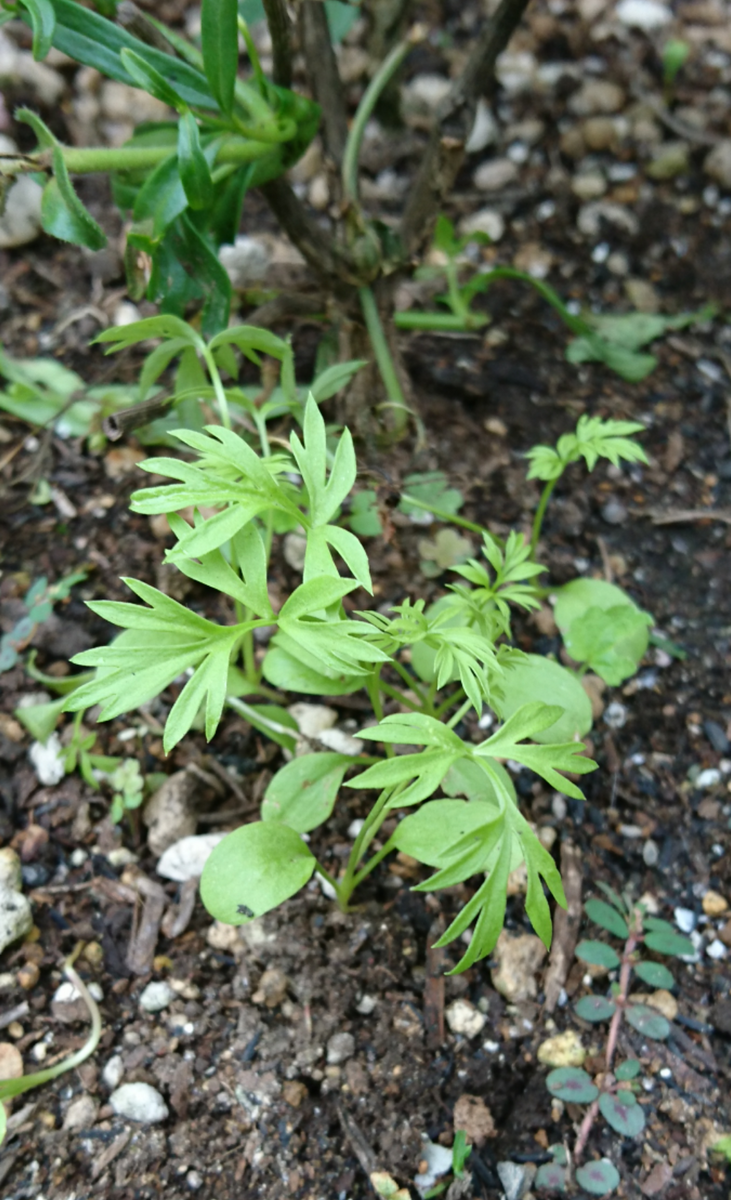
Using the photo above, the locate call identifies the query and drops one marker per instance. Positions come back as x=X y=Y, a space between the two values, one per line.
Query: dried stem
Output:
x=332 y=265
x=322 y=72
x=280 y=28
x=454 y=120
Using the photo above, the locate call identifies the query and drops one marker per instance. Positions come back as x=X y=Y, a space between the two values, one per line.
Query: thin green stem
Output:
x=380 y=80
x=437 y=322
x=540 y=514
x=94 y=159
x=218 y=388
x=252 y=52
x=373 y=862
x=385 y=362
x=461 y=711
x=441 y=515
x=371 y=825
x=408 y=679
x=445 y=705
x=255 y=718
x=395 y=694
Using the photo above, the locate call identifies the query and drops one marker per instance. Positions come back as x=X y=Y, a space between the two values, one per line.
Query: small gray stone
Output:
x=512 y=1177
x=485 y=131
x=643 y=14
x=81 y=1113
x=20 y=221
x=718 y=164
x=709 y=778
x=16 y=918
x=340 y=1047
x=156 y=996
x=716 y=736
x=597 y=97
x=139 y=1102
x=113 y=1072
x=11 y=878
x=588 y=185
x=614 y=512
x=650 y=853
x=485 y=220
x=592 y=216
x=194 y=1181
x=245 y=262
x=186 y=859
x=615 y=715
x=495 y=175
x=668 y=160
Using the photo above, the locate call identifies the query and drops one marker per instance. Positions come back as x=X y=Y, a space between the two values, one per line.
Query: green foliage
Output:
x=536 y=675
x=593 y=439
x=234 y=496
x=433 y=492
x=184 y=182
x=598 y=1177
x=602 y=628
x=617 y=340
x=571 y=1084
x=128 y=785
x=39 y=601
x=675 y=54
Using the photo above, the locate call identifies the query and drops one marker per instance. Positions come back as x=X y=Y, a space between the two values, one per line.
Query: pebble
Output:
x=516 y=70
x=709 y=778
x=668 y=160
x=485 y=131
x=496 y=174
x=597 y=97
x=170 y=814
x=295 y=546
x=11 y=877
x=650 y=853
x=518 y=961
x=366 y=1005
x=340 y=1047
x=714 y=904
x=28 y=976
x=614 y=512
x=312 y=719
x=463 y=1018
x=559 y=808
x=272 y=988
x=716 y=949
x=156 y=996
x=194 y=1181
x=664 y=1002
x=717 y=164
x=563 y=1050
x=81 y=1113
x=485 y=220
x=139 y=1102
x=685 y=919
x=16 y=918
x=20 y=66
x=318 y=193
x=615 y=715
x=245 y=262
x=600 y=133
x=125 y=313
x=20 y=220
x=341 y=742
x=716 y=737
x=186 y=859
x=588 y=185
x=424 y=93
x=113 y=1072
x=591 y=218
x=643 y=14
x=47 y=760
x=437 y=1160
x=512 y=1177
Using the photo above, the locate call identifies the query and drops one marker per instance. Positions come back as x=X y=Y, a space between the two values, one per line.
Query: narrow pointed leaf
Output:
x=220 y=46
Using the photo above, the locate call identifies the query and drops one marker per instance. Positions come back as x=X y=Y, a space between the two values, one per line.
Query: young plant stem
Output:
x=625 y=973
x=373 y=862
x=370 y=828
x=383 y=357
x=426 y=322
x=410 y=682
x=380 y=80
x=441 y=515
x=396 y=694
x=457 y=717
x=95 y=159
x=445 y=705
x=540 y=514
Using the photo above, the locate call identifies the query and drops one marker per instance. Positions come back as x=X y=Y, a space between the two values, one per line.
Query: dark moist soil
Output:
x=257 y=1106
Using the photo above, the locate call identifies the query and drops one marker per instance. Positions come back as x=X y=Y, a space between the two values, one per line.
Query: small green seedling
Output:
x=461 y=1150
x=39 y=602
x=675 y=54
x=615 y=1095
x=128 y=786
x=16 y=1087
x=615 y=341
x=461 y=660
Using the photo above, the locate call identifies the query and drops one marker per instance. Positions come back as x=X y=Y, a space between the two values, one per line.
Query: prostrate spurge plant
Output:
x=613 y=1094
x=461 y=660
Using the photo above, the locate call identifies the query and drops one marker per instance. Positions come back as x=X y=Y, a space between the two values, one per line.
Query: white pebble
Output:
x=139 y=1102
x=685 y=919
x=156 y=996
x=716 y=949
x=47 y=760
x=709 y=778
x=464 y=1018
x=113 y=1072
x=615 y=715
x=650 y=853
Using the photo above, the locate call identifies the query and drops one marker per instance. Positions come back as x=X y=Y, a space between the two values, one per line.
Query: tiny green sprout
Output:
x=675 y=54
x=38 y=602
x=128 y=786
x=461 y=1150
x=614 y=1092
x=723 y=1146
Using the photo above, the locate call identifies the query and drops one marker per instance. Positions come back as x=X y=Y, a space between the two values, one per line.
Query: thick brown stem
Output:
x=322 y=72
x=454 y=120
x=332 y=265
x=280 y=28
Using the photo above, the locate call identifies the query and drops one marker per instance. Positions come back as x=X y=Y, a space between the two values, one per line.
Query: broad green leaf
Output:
x=431 y=487
x=622 y=1112
x=598 y=954
x=470 y=779
x=302 y=794
x=595 y=1008
x=220 y=46
x=364 y=519
x=647 y=1021
x=429 y=835
x=655 y=974
x=254 y=869
x=283 y=668
x=571 y=1084
x=62 y=213
x=539 y=676
x=574 y=599
x=315 y=596
x=599 y=1177
x=195 y=174
x=605 y=915
x=627 y=1070
x=611 y=641
x=41 y=719
x=43 y=24
x=674 y=944
x=551 y=1177
x=150 y=80
x=628 y=364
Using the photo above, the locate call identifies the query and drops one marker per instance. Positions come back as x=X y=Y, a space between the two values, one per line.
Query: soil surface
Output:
x=300 y=1052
